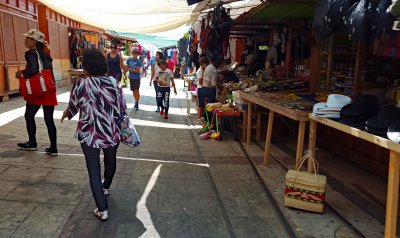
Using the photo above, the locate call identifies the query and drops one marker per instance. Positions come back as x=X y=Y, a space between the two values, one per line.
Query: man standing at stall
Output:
x=134 y=65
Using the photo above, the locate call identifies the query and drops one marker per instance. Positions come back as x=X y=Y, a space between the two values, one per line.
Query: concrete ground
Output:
x=173 y=185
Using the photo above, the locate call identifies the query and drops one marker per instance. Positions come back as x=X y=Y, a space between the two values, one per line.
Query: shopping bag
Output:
x=37 y=85
x=305 y=191
x=129 y=134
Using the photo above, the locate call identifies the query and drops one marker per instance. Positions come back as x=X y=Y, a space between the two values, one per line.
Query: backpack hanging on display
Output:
x=337 y=10
x=356 y=22
x=320 y=21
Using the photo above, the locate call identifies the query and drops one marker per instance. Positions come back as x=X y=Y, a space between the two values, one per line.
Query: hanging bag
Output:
x=304 y=190
x=129 y=135
x=38 y=84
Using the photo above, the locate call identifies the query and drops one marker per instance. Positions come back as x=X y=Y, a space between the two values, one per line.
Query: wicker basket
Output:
x=305 y=191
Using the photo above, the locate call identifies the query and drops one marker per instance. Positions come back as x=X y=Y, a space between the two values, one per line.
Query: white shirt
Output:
x=164 y=77
x=156 y=69
x=199 y=75
x=210 y=76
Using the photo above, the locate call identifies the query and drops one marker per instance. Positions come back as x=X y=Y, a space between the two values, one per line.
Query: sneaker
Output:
x=102 y=216
x=136 y=106
x=52 y=152
x=162 y=111
x=158 y=109
x=106 y=192
x=27 y=146
x=165 y=116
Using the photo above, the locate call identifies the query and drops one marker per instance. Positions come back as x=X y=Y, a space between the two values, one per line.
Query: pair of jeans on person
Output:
x=48 y=111
x=92 y=156
x=163 y=98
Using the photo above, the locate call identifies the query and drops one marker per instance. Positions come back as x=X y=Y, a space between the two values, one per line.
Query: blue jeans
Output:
x=92 y=156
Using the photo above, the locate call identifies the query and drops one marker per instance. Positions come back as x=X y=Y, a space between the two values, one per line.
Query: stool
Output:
x=257 y=126
x=231 y=116
x=191 y=97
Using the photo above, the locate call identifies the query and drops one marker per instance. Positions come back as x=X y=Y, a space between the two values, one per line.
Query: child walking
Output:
x=164 y=78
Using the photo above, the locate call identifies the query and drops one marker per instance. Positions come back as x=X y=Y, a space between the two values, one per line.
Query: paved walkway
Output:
x=173 y=185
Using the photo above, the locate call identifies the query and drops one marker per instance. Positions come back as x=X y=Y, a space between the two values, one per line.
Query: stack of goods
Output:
x=357 y=113
x=332 y=107
x=379 y=125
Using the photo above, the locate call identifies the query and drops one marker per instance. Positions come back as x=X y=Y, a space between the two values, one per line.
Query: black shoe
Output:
x=27 y=146
x=52 y=152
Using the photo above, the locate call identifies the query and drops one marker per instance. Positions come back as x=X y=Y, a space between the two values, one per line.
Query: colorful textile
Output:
x=101 y=103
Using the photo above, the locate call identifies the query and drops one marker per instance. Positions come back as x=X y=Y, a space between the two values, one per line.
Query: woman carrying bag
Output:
x=36 y=58
x=100 y=102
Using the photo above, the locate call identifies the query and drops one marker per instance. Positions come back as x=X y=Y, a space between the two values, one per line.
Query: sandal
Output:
x=102 y=216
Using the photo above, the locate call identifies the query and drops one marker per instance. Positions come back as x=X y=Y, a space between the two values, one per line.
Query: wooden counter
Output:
x=281 y=104
x=78 y=74
x=394 y=164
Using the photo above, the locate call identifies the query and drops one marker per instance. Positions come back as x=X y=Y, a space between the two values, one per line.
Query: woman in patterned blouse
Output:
x=100 y=102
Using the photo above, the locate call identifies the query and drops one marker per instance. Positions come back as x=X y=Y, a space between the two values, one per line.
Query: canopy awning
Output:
x=136 y=16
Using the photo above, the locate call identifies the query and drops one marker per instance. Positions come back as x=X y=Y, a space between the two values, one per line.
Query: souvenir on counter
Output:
x=379 y=125
x=332 y=107
x=357 y=113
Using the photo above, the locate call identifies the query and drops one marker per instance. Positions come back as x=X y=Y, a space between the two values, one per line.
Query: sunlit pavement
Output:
x=173 y=185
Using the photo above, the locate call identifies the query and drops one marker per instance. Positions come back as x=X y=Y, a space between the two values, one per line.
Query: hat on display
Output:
x=363 y=105
x=393 y=132
x=332 y=107
x=36 y=35
x=385 y=116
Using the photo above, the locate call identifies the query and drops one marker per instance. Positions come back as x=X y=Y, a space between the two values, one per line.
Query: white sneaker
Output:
x=106 y=192
x=102 y=216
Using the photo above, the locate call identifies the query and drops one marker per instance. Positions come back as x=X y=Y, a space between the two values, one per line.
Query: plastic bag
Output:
x=129 y=134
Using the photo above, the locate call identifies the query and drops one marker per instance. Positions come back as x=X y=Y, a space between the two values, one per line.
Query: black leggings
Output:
x=48 y=111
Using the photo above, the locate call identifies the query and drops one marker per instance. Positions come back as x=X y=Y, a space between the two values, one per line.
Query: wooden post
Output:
x=392 y=195
x=249 y=114
x=300 y=142
x=244 y=126
x=268 y=137
x=311 y=143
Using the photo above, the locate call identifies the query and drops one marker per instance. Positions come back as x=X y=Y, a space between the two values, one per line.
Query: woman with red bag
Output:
x=35 y=42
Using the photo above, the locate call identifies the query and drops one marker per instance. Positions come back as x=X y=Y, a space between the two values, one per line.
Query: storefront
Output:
x=293 y=67
x=17 y=17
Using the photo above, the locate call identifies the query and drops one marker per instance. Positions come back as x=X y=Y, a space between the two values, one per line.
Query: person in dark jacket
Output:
x=34 y=41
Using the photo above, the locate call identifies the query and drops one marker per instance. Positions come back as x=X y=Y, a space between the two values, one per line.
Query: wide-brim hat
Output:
x=393 y=132
x=332 y=107
x=376 y=131
x=386 y=115
x=36 y=35
x=364 y=104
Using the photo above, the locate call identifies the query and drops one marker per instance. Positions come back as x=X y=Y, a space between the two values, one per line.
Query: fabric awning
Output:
x=136 y=16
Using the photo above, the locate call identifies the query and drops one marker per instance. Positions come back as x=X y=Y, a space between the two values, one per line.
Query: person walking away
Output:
x=164 y=78
x=154 y=69
x=34 y=41
x=199 y=78
x=115 y=63
x=100 y=102
x=170 y=64
x=134 y=65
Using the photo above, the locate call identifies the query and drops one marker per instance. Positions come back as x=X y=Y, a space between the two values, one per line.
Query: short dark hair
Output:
x=204 y=60
x=162 y=62
x=94 y=62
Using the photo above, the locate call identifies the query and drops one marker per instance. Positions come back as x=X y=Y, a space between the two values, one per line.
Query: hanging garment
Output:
x=337 y=10
x=394 y=8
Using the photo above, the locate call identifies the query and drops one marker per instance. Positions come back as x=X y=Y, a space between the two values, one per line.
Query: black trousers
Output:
x=163 y=98
x=92 y=156
x=48 y=111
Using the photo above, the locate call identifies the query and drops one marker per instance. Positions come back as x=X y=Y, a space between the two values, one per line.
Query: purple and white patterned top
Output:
x=100 y=102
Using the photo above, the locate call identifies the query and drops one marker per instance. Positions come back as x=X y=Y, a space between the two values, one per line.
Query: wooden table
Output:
x=77 y=72
x=394 y=164
x=283 y=105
